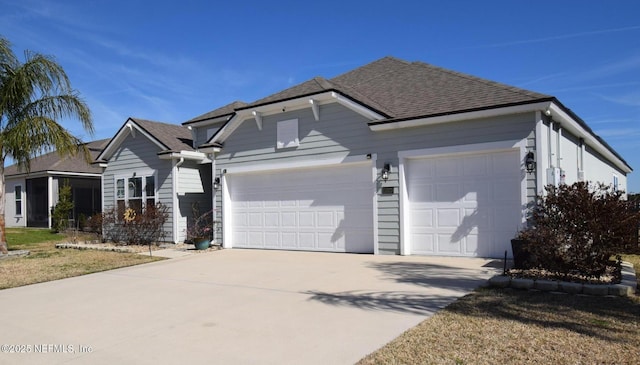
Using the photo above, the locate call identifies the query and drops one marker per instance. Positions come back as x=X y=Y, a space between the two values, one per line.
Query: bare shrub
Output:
x=577 y=229
x=136 y=226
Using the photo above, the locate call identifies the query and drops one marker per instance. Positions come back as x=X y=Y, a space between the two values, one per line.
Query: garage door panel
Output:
x=475 y=166
x=505 y=190
x=445 y=245
x=422 y=218
x=328 y=209
x=448 y=218
x=471 y=245
x=449 y=192
x=271 y=219
x=474 y=207
x=306 y=220
x=447 y=168
x=325 y=219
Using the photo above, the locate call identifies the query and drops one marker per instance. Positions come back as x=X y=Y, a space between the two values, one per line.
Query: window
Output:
x=18 y=196
x=288 y=134
x=615 y=182
x=133 y=191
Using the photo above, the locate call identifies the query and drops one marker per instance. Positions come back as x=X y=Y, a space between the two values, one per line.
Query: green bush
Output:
x=575 y=229
x=62 y=211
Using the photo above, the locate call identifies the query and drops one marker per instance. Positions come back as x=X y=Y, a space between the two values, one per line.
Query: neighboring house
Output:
x=30 y=196
x=393 y=157
x=150 y=162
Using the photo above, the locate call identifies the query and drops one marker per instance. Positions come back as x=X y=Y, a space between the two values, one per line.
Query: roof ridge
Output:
x=156 y=122
x=378 y=75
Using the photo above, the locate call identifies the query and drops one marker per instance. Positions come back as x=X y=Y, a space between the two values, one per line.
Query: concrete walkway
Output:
x=232 y=307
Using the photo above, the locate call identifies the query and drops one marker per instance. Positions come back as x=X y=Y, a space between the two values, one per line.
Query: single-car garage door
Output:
x=464 y=205
x=315 y=209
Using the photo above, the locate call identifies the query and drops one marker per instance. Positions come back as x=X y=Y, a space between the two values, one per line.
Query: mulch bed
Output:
x=611 y=276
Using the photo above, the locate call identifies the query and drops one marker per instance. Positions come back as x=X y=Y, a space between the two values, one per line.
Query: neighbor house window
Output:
x=288 y=134
x=18 y=195
x=615 y=182
x=132 y=192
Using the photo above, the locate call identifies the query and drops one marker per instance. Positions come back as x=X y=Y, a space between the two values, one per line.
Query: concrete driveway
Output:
x=232 y=307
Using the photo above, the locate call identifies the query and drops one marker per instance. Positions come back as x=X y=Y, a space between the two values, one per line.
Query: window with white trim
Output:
x=615 y=183
x=18 y=199
x=288 y=134
x=132 y=192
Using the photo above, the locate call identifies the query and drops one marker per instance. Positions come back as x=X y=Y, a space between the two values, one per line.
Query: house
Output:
x=393 y=157
x=149 y=162
x=30 y=196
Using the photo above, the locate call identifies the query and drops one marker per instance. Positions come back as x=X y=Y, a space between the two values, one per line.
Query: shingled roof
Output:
x=173 y=136
x=399 y=90
x=52 y=162
x=220 y=112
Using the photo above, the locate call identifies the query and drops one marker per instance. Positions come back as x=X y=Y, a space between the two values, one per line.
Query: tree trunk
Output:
x=3 y=199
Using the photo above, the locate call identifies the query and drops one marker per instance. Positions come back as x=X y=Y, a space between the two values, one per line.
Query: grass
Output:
x=506 y=326
x=46 y=263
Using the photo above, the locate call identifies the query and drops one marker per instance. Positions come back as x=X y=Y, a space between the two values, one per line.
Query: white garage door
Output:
x=464 y=205
x=319 y=209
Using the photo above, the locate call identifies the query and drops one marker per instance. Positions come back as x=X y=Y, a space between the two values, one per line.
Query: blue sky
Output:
x=171 y=61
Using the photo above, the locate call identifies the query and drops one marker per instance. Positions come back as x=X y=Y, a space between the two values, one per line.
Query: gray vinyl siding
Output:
x=140 y=155
x=341 y=132
x=532 y=188
x=186 y=201
x=202 y=131
x=11 y=219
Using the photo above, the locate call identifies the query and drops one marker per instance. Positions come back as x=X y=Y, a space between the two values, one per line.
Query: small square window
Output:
x=288 y=134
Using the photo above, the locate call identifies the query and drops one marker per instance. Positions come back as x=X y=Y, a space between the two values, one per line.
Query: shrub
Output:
x=62 y=211
x=136 y=227
x=577 y=229
x=199 y=225
x=95 y=224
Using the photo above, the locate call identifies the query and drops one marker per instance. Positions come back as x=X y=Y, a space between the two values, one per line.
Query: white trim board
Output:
x=298 y=164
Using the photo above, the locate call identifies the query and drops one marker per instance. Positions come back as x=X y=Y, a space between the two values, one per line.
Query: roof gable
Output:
x=168 y=137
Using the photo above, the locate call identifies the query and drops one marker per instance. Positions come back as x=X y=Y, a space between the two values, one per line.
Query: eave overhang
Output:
x=312 y=101
x=197 y=156
x=550 y=107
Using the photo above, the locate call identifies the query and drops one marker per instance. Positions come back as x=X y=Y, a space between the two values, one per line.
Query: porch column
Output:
x=49 y=198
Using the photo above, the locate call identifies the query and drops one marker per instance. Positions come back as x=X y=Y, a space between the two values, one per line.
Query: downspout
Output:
x=559 y=145
x=581 y=175
x=549 y=132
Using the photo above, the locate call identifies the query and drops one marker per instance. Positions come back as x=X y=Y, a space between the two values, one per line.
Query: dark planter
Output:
x=201 y=243
x=521 y=254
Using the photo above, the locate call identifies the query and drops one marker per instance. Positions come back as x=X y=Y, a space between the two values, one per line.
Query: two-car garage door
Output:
x=454 y=205
x=463 y=205
x=315 y=209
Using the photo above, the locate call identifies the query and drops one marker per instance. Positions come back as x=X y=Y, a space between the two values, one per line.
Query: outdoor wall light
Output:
x=530 y=162
x=385 y=172
x=216 y=183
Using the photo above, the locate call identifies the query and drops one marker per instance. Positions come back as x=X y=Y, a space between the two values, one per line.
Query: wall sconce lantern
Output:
x=216 y=183
x=530 y=162
x=385 y=172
